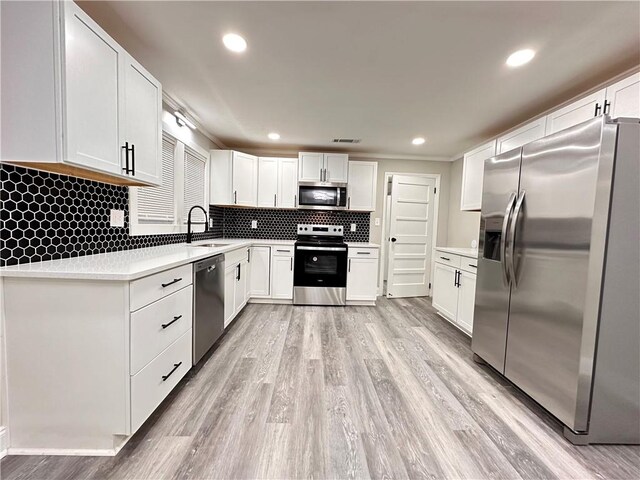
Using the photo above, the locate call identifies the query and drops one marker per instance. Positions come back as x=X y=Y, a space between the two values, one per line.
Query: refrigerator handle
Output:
x=503 y=238
x=512 y=240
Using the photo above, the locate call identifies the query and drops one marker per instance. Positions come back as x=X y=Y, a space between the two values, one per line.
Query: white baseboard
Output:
x=3 y=442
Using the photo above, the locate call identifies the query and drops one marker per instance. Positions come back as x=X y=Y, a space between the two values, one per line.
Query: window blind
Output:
x=157 y=204
x=194 y=184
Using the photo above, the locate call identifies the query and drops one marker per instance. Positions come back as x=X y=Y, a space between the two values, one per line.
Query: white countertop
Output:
x=465 y=252
x=131 y=264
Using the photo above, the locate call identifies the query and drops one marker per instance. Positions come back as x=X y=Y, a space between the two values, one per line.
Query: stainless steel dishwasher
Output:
x=208 y=304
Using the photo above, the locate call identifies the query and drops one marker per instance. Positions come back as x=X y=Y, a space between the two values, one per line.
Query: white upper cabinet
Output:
x=233 y=178
x=143 y=121
x=472 y=175
x=277 y=182
x=576 y=112
x=523 y=135
x=323 y=167
x=75 y=97
x=623 y=98
x=361 y=191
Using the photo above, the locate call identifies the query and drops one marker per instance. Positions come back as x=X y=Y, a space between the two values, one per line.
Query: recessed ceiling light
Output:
x=234 y=42
x=516 y=59
x=418 y=141
x=274 y=136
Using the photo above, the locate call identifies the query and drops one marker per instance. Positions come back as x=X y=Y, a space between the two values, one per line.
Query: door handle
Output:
x=503 y=238
x=393 y=239
x=512 y=239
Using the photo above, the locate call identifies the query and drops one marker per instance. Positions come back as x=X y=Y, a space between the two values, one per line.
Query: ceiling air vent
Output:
x=346 y=140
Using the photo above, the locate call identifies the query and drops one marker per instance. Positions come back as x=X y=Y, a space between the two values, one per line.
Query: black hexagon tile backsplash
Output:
x=46 y=216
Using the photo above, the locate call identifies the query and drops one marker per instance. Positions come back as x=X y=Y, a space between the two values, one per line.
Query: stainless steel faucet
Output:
x=189 y=223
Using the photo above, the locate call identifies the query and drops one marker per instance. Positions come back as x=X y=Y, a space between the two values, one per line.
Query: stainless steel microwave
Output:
x=322 y=196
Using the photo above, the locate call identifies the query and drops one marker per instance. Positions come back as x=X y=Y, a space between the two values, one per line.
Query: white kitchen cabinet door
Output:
x=466 y=300
x=576 y=112
x=240 y=291
x=92 y=93
x=142 y=121
x=523 y=135
x=310 y=167
x=623 y=98
x=287 y=182
x=245 y=280
x=230 y=280
x=336 y=167
x=472 y=175
x=282 y=277
x=445 y=292
x=267 y=182
x=245 y=180
x=260 y=267
x=362 y=278
x=361 y=191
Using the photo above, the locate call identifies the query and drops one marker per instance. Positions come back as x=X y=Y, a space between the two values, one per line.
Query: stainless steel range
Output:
x=320 y=266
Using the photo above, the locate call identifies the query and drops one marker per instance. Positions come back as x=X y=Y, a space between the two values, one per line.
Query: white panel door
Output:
x=466 y=300
x=287 y=182
x=473 y=175
x=92 y=91
x=310 y=167
x=143 y=121
x=362 y=279
x=623 y=98
x=410 y=231
x=445 y=292
x=230 y=281
x=523 y=135
x=575 y=113
x=336 y=167
x=363 y=177
x=267 y=182
x=245 y=179
x=260 y=266
x=282 y=277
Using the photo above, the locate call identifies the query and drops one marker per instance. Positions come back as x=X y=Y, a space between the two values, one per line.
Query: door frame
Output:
x=384 y=243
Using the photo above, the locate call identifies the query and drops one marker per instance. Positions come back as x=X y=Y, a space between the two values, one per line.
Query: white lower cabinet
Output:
x=230 y=278
x=454 y=289
x=282 y=276
x=260 y=267
x=236 y=282
x=362 y=275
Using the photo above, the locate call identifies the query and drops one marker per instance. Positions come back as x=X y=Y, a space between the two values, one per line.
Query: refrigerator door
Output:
x=501 y=178
x=556 y=261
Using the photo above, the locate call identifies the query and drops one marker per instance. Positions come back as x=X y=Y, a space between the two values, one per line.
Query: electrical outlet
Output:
x=211 y=222
x=254 y=223
x=353 y=227
x=117 y=218
x=376 y=222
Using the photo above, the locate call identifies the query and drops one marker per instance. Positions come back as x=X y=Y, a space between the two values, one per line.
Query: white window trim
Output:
x=180 y=223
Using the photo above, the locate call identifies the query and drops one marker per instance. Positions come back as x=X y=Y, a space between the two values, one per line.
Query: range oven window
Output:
x=315 y=267
x=318 y=196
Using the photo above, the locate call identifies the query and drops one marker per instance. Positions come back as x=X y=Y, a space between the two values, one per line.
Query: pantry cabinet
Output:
x=323 y=167
x=472 y=175
x=277 y=182
x=362 y=275
x=361 y=189
x=79 y=104
x=233 y=178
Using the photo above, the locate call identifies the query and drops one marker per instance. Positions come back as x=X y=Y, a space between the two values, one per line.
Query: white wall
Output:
x=463 y=226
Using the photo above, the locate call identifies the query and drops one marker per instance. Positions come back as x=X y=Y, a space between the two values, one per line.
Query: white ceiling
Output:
x=384 y=72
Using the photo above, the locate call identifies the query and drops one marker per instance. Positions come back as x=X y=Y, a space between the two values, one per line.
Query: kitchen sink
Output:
x=211 y=245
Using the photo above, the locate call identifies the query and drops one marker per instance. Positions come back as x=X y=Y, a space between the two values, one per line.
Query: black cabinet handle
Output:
x=235 y=197
x=597 y=110
x=349 y=269
x=133 y=159
x=363 y=253
x=473 y=266
x=275 y=199
x=445 y=258
x=175 y=280
x=285 y=251
x=607 y=104
x=175 y=367
x=125 y=147
x=238 y=276
x=291 y=267
x=175 y=319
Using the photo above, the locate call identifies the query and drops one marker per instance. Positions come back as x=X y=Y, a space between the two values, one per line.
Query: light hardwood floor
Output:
x=356 y=392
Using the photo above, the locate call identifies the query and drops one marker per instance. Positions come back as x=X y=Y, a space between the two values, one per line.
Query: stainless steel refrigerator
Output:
x=557 y=310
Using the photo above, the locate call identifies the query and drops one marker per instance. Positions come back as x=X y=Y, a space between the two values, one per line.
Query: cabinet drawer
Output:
x=149 y=289
x=236 y=256
x=156 y=326
x=154 y=382
x=447 y=258
x=469 y=264
x=361 y=252
x=282 y=250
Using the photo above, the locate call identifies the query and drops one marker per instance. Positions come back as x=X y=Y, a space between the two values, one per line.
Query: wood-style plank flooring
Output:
x=309 y=392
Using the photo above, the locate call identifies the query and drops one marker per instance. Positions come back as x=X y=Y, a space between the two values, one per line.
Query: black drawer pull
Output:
x=285 y=251
x=175 y=280
x=363 y=253
x=473 y=266
x=445 y=258
x=175 y=367
x=175 y=319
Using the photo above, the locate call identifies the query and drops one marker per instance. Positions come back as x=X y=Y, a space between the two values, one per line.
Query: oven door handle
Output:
x=322 y=249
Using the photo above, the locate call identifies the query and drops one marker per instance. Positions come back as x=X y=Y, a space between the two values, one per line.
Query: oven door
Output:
x=322 y=197
x=320 y=266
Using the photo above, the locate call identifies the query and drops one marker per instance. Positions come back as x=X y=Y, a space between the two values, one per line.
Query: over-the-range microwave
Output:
x=322 y=196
